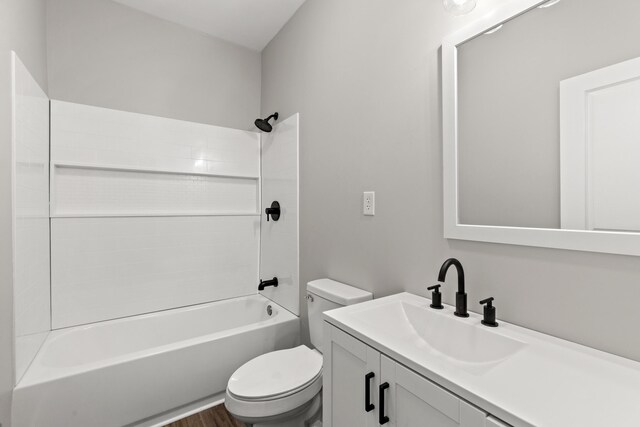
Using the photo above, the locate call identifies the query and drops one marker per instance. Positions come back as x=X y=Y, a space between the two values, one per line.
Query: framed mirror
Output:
x=541 y=126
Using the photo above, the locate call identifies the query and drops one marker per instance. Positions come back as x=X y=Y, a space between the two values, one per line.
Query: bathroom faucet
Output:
x=461 y=295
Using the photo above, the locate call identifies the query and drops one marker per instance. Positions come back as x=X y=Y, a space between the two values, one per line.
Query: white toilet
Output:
x=284 y=388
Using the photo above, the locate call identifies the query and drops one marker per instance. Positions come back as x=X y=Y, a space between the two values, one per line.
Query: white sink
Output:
x=462 y=339
x=509 y=370
x=458 y=338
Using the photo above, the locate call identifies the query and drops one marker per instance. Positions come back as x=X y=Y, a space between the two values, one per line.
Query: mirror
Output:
x=541 y=109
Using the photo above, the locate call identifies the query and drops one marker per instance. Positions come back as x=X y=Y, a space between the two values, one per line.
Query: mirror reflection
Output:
x=549 y=119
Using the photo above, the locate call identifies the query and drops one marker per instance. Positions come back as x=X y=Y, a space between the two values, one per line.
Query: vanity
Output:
x=395 y=361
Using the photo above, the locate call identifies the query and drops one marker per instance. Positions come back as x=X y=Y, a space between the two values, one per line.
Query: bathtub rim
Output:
x=38 y=373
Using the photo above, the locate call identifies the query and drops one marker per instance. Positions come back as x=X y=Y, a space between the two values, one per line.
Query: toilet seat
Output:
x=275 y=383
x=276 y=374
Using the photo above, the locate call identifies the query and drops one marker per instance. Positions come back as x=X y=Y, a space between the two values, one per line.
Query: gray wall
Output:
x=365 y=76
x=22 y=28
x=105 y=54
x=510 y=174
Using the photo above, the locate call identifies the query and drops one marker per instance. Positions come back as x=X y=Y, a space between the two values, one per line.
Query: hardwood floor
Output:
x=212 y=417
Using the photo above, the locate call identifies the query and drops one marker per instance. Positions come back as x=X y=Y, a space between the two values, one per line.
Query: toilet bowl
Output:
x=277 y=386
x=284 y=388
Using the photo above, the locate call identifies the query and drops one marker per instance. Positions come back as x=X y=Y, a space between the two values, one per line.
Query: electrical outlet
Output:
x=369 y=203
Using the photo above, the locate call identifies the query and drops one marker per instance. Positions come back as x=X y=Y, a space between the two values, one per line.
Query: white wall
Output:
x=103 y=53
x=366 y=76
x=22 y=28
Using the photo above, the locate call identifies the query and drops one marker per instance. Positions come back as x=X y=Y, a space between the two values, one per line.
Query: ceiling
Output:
x=249 y=23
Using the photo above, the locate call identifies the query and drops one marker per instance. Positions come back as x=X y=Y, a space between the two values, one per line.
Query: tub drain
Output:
x=269 y=310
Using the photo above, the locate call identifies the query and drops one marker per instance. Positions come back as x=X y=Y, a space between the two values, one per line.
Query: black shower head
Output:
x=264 y=125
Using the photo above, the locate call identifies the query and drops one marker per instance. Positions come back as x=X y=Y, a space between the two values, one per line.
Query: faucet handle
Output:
x=273 y=211
x=489 y=313
x=436 y=297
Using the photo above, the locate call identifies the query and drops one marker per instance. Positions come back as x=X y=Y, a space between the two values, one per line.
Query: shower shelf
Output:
x=153 y=215
x=78 y=165
x=85 y=190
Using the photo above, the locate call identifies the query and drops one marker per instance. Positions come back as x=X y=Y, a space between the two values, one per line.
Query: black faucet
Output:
x=461 y=295
x=264 y=283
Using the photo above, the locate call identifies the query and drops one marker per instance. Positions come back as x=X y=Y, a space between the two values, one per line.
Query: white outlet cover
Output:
x=369 y=203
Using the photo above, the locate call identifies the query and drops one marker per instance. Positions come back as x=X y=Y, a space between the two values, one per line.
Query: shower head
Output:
x=264 y=125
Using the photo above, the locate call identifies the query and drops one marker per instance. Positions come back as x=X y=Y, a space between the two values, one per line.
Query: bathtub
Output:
x=149 y=369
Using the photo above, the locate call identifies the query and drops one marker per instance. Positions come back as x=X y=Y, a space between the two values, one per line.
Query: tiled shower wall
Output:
x=30 y=217
x=279 y=253
x=148 y=213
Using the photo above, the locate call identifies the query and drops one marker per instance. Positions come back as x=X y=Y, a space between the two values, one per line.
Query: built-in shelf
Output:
x=85 y=190
x=146 y=170
x=153 y=215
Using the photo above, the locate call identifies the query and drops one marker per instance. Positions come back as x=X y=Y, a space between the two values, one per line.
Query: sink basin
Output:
x=459 y=338
x=462 y=339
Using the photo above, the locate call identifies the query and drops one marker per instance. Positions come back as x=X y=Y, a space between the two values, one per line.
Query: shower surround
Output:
x=149 y=213
x=158 y=242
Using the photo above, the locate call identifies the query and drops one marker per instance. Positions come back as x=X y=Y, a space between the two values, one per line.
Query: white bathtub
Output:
x=146 y=369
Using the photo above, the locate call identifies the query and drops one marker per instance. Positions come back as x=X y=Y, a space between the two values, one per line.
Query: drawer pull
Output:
x=382 y=418
x=368 y=406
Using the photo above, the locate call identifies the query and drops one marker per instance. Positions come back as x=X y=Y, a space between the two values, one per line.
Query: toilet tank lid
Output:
x=338 y=292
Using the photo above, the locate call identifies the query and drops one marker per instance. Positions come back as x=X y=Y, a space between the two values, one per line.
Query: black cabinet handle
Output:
x=382 y=418
x=368 y=406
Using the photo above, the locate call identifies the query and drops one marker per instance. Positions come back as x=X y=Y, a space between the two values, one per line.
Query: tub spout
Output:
x=264 y=283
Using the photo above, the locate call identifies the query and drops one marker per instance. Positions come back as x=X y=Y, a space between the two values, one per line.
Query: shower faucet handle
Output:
x=273 y=211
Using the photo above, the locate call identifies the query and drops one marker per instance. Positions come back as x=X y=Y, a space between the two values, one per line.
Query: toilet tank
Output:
x=327 y=294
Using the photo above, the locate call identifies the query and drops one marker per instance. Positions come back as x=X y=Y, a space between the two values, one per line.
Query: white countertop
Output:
x=548 y=383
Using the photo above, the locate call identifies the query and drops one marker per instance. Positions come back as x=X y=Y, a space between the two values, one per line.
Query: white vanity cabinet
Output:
x=492 y=422
x=363 y=387
x=350 y=368
x=412 y=400
x=441 y=370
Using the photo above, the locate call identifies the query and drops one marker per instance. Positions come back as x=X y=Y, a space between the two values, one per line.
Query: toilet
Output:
x=284 y=388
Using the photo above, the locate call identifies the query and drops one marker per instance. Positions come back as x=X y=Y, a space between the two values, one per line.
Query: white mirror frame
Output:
x=582 y=240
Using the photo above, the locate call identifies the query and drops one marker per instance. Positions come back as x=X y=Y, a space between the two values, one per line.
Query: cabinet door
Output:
x=350 y=368
x=494 y=422
x=411 y=401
